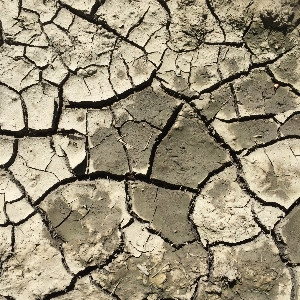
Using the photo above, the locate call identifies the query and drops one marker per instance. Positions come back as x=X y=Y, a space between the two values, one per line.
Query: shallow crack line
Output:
x=281 y=246
x=55 y=236
x=257 y=221
x=111 y=294
x=51 y=228
x=218 y=65
x=197 y=193
x=269 y=143
x=113 y=99
x=121 y=140
x=210 y=263
x=138 y=23
x=39 y=170
x=20 y=186
x=151 y=35
x=87 y=271
x=59 y=106
x=127 y=70
x=133 y=214
x=281 y=83
x=65 y=157
x=102 y=23
x=212 y=11
x=64 y=219
x=245 y=186
x=295 y=113
x=109 y=67
x=12 y=247
x=220 y=83
x=235 y=101
x=13 y=156
x=162 y=135
x=237 y=163
x=166 y=240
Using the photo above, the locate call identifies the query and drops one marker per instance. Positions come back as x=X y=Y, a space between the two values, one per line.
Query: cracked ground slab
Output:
x=149 y=149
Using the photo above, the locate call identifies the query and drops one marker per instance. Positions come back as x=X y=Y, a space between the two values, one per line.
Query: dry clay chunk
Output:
x=7 y=148
x=187 y=154
x=273 y=172
x=265 y=43
x=45 y=9
x=139 y=20
x=159 y=270
x=139 y=139
x=9 y=188
x=256 y=95
x=87 y=216
x=85 y=290
x=245 y=134
x=103 y=136
x=222 y=211
x=19 y=210
x=289 y=234
x=191 y=24
x=26 y=29
x=234 y=16
x=267 y=215
x=6 y=243
x=11 y=111
x=159 y=206
x=36 y=268
x=287 y=68
x=83 y=45
x=73 y=120
x=291 y=126
x=219 y=103
x=21 y=73
x=190 y=73
x=72 y=147
x=37 y=166
x=251 y=271
x=41 y=101
x=151 y=105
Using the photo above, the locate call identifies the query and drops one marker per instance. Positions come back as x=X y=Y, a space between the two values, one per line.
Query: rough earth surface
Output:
x=150 y=149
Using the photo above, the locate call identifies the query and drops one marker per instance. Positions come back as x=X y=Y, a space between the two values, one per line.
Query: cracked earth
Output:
x=150 y=149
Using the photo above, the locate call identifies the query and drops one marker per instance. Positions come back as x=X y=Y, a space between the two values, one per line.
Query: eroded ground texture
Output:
x=150 y=149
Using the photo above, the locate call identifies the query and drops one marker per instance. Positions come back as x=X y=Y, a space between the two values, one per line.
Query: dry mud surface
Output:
x=150 y=149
